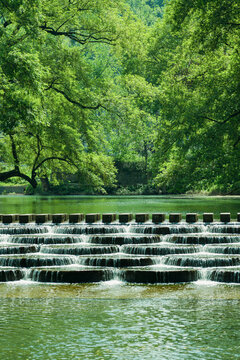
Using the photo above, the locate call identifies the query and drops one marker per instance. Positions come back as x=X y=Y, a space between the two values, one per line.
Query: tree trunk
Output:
x=16 y=173
x=145 y=154
x=45 y=183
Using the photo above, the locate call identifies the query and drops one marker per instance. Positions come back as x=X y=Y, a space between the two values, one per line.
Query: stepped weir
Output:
x=74 y=248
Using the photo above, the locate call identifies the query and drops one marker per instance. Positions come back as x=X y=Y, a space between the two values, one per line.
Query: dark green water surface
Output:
x=105 y=204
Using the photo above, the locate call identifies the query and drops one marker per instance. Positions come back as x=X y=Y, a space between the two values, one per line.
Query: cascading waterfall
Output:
x=11 y=229
x=223 y=248
x=158 y=249
x=76 y=249
x=135 y=253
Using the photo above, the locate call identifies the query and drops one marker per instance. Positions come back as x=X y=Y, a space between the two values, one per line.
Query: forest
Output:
x=120 y=96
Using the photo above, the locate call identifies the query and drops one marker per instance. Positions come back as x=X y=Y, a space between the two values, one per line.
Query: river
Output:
x=119 y=204
x=114 y=320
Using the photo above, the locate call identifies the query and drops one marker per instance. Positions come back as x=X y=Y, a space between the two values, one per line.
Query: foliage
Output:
x=197 y=69
x=147 y=10
x=86 y=86
x=48 y=93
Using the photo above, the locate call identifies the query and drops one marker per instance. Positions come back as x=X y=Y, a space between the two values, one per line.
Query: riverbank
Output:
x=13 y=190
x=62 y=190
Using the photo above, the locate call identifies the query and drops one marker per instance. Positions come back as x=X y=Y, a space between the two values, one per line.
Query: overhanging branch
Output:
x=236 y=113
x=74 y=102
x=17 y=173
x=77 y=36
x=54 y=158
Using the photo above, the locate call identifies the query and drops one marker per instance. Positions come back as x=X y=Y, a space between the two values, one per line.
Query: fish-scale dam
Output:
x=77 y=249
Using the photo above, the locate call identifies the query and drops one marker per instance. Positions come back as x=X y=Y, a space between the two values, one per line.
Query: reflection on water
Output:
x=119 y=204
x=165 y=327
x=115 y=289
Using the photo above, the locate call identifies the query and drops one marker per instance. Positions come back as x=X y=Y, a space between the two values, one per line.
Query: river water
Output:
x=114 y=320
x=119 y=204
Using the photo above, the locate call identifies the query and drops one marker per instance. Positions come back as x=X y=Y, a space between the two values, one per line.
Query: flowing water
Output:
x=168 y=291
x=132 y=329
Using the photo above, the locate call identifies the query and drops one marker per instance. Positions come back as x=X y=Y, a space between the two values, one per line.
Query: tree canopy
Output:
x=49 y=88
x=195 y=57
x=88 y=85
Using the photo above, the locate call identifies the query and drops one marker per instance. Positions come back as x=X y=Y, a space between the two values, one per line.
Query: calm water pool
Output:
x=104 y=204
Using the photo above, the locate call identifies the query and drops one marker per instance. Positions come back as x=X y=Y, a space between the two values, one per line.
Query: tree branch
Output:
x=233 y=48
x=232 y=116
x=5 y=5
x=8 y=174
x=17 y=173
x=39 y=149
x=54 y=158
x=75 y=102
x=224 y=121
x=208 y=118
x=6 y=23
x=14 y=153
x=63 y=24
x=236 y=142
x=76 y=36
x=233 y=24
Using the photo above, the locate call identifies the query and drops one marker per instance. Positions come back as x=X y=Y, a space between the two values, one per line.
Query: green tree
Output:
x=131 y=126
x=197 y=67
x=147 y=10
x=49 y=99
